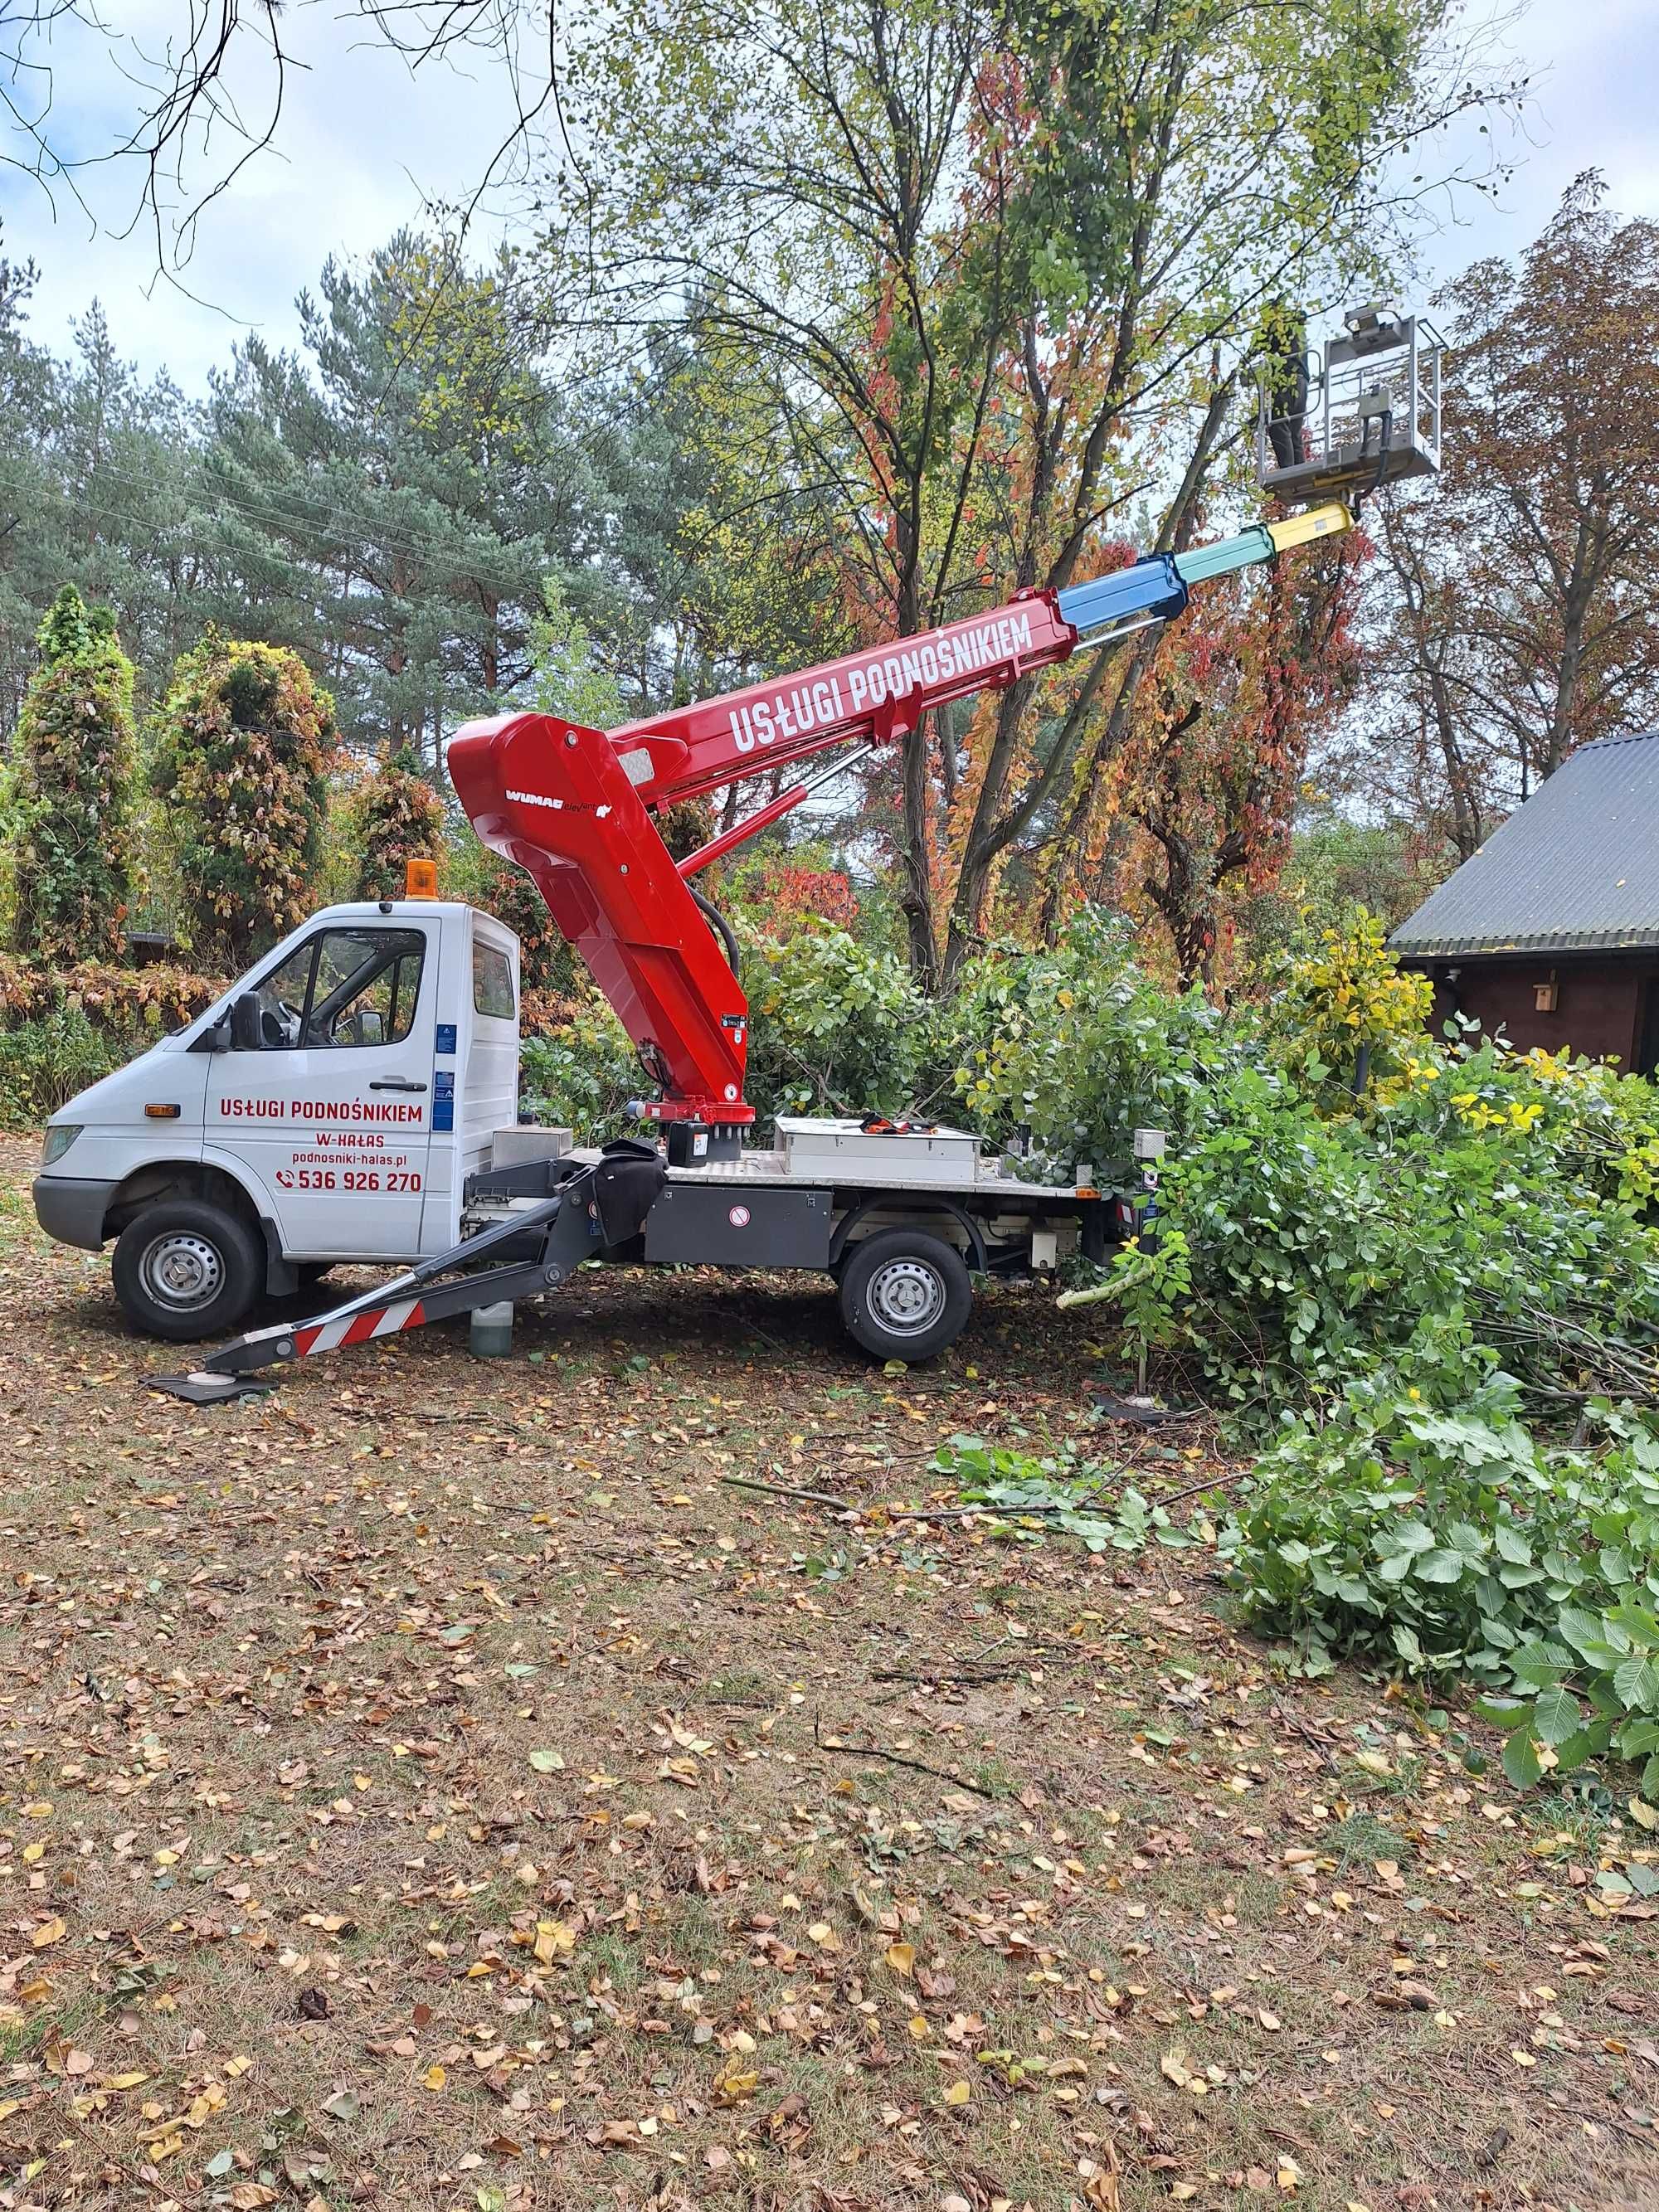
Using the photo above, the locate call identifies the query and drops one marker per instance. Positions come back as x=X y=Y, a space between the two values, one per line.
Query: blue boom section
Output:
x=1151 y=591
x=1155 y=589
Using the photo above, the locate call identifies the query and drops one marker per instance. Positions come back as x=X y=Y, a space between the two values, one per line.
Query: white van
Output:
x=329 y=1108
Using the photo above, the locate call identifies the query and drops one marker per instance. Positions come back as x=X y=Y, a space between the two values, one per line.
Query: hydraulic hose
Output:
x=721 y=927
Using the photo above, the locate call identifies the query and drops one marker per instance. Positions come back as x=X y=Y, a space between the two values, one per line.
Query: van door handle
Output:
x=396 y=1083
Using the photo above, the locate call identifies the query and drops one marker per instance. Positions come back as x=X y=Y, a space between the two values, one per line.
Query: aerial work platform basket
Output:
x=1371 y=415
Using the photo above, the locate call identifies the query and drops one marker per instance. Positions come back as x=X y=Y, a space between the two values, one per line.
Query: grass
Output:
x=280 y=1878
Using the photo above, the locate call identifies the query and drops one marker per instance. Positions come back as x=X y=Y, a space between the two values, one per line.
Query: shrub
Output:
x=1078 y=1047
x=396 y=818
x=778 y=893
x=244 y=744
x=1322 y=1249
x=46 y=1059
x=1345 y=1007
x=61 y=1029
x=72 y=791
x=1455 y=1543
x=548 y=966
x=581 y=1074
x=835 y=1025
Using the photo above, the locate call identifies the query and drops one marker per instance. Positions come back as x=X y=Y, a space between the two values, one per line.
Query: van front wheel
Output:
x=184 y=1269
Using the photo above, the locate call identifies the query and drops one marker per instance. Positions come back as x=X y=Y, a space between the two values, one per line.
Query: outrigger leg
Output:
x=564 y=1231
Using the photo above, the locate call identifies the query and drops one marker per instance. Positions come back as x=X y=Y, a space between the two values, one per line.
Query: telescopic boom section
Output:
x=574 y=807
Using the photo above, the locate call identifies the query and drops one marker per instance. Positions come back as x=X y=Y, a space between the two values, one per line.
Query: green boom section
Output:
x=1224 y=555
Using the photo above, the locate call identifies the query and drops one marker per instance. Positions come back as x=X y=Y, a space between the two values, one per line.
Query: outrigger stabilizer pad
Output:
x=201 y=1388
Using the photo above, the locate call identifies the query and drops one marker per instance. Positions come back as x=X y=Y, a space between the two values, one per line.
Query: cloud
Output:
x=364 y=144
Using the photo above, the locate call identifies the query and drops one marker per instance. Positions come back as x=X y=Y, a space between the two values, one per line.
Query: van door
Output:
x=489 y=1087
x=325 y=1096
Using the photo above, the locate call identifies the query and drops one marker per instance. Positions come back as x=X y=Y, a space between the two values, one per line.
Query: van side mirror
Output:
x=245 y=1023
x=216 y=1038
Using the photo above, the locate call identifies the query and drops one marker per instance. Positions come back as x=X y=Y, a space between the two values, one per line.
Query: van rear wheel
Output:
x=904 y=1295
x=184 y=1269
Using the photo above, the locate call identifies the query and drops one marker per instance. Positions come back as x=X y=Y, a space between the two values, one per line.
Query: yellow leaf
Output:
x=902 y=1957
x=553 y=1940
x=49 y=1932
x=435 y=2077
x=957 y=2093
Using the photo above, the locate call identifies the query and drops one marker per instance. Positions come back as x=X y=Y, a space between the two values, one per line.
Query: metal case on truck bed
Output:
x=844 y=1151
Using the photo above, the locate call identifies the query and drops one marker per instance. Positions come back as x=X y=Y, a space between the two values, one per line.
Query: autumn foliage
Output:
x=782 y=897
x=73 y=788
x=1236 y=695
x=399 y=819
x=246 y=740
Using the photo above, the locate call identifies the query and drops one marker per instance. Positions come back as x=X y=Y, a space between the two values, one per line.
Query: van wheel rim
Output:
x=182 y=1272
x=906 y=1297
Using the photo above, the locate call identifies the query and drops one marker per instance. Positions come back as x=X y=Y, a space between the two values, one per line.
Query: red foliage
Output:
x=1239 y=689
x=785 y=897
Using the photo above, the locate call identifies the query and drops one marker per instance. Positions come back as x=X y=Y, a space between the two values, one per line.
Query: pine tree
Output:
x=74 y=789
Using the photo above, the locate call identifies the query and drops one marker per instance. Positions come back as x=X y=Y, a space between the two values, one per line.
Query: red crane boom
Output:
x=574 y=807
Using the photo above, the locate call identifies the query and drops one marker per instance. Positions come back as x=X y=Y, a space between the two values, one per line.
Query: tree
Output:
x=393 y=499
x=73 y=790
x=244 y=743
x=1517 y=608
x=990 y=273
x=1174 y=170
x=397 y=818
x=1235 y=693
x=97 y=487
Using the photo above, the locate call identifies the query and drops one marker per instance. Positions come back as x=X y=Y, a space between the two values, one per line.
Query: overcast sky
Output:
x=364 y=144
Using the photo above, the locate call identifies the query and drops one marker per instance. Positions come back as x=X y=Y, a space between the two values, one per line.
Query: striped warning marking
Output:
x=357 y=1328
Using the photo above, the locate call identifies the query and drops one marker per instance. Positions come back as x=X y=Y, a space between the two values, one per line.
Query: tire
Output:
x=184 y=1269
x=904 y=1295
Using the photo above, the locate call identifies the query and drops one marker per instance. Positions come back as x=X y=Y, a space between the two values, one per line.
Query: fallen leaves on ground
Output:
x=428 y=1787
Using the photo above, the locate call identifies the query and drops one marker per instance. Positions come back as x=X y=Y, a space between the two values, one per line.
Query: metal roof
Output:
x=1576 y=869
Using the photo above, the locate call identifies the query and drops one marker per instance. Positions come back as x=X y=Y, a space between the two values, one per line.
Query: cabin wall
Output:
x=1602 y=1003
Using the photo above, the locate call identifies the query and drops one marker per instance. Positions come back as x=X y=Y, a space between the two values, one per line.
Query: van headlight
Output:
x=59 y=1137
